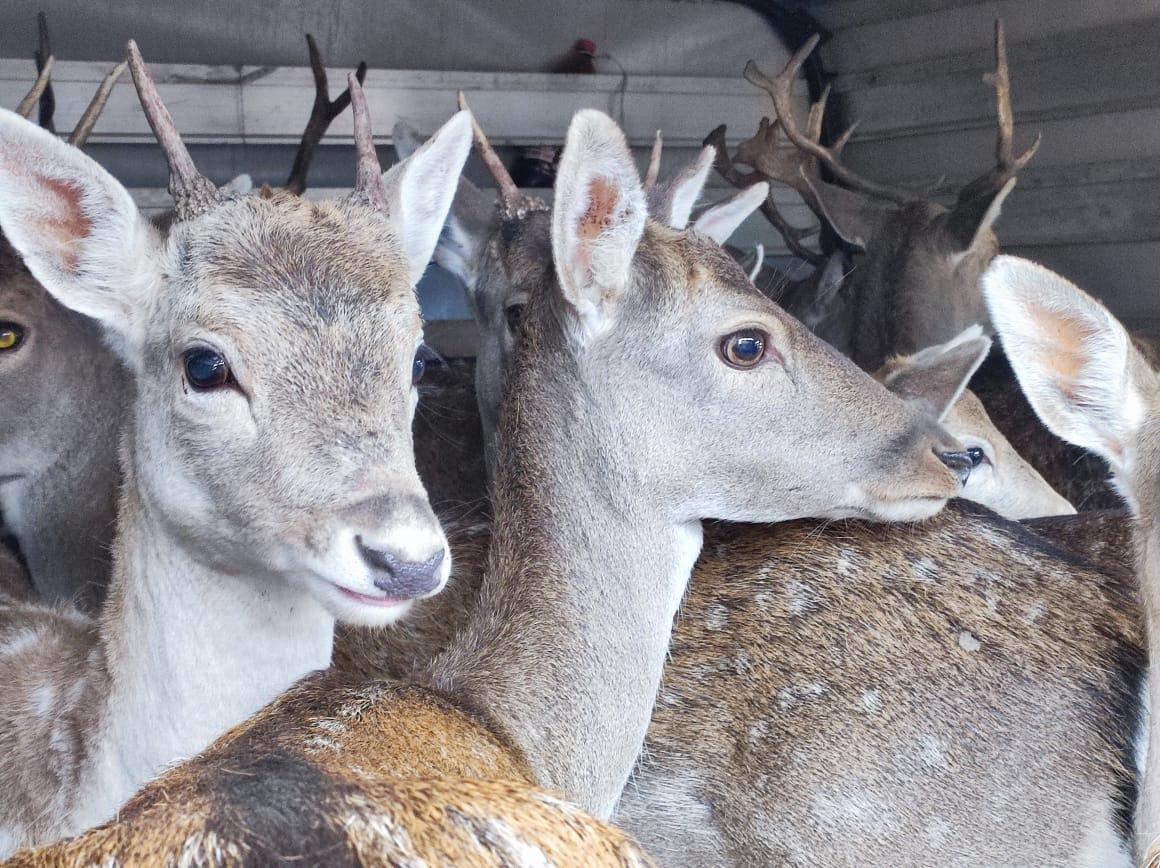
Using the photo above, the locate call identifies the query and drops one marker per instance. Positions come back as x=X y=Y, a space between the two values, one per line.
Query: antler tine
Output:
x=24 y=109
x=1007 y=165
x=654 y=162
x=728 y=170
x=322 y=115
x=779 y=89
x=41 y=55
x=97 y=105
x=509 y=193
x=369 y=173
x=192 y=192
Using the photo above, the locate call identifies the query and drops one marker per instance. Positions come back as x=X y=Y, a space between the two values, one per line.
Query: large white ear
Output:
x=937 y=375
x=721 y=220
x=468 y=223
x=76 y=227
x=672 y=202
x=1074 y=360
x=420 y=189
x=598 y=217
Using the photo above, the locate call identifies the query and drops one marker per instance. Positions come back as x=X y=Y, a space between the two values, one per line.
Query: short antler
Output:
x=42 y=55
x=322 y=115
x=509 y=193
x=369 y=174
x=1007 y=165
x=192 y=192
x=727 y=168
x=654 y=162
x=97 y=105
x=779 y=89
x=24 y=109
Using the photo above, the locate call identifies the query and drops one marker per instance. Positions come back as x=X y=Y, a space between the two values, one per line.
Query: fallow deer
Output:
x=67 y=394
x=269 y=486
x=1091 y=386
x=601 y=488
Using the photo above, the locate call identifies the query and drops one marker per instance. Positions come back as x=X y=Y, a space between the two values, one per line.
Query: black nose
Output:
x=959 y=462
x=403 y=580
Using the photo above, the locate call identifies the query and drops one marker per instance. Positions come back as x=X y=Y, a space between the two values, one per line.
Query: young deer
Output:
x=67 y=394
x=269 y=482
x=1091 y=386
x=500 y=251
x=600 y=493
x=64 y=392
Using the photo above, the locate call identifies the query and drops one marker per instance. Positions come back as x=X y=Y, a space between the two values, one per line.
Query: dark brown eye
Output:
x=744 y=349
x=11 y=336
x=514 y=314
x=206 y=369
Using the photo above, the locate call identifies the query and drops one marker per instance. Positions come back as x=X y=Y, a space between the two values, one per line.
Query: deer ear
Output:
x=671 y=203
x=240 y=185
x=76 y=227
x=936 y=376
x=1074 y=361
x=721 y=220
x=598 y=218
x=855 y=217
x=420 y=189
x=968 y=221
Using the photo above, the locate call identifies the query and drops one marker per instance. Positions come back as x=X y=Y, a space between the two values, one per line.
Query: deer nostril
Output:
x=400 y=578
x=960 y=464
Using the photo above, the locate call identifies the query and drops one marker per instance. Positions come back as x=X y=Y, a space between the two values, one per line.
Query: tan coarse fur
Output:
x=315 y=778
x=269 y=490
x=556 y=668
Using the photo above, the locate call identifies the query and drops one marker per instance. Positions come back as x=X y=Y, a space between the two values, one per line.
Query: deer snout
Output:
x=400 y=578
x=959 y=462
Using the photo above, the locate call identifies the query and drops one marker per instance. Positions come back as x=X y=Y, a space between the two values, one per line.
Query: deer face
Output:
x=736 y=411
x=54 y=371
x=273 y=345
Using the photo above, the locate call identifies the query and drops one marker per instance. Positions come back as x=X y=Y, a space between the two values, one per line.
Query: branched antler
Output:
x=323 y=113
x=727 y=167
x=84 y=127
x=779 y=89
x=1007 y=165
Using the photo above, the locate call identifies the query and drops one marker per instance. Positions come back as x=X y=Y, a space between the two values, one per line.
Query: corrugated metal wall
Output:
x=1085 y=74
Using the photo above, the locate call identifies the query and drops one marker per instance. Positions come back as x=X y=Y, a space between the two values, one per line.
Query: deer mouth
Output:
x=380 y=600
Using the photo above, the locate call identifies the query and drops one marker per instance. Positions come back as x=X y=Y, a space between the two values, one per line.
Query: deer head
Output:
x=273 y=346
x=936 y=377
x=918 y=285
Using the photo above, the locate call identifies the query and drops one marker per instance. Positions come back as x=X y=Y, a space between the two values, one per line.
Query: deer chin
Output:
x=891 y=506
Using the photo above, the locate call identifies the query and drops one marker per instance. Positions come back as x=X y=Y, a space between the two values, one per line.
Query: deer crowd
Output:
x=694 y=565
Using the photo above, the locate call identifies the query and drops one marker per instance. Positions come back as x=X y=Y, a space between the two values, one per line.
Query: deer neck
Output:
x=190 y=651
x=566 y=648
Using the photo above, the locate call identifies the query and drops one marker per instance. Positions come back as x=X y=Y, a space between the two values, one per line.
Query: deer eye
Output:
x=977 y=455
x=206 y=369
x=744 y=349
x=418 y=368
x=514 y=314
x=11 y=336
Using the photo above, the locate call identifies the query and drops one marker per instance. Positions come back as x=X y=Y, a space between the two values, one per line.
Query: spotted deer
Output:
x=552 y=678
x=67 y=393
x=1093 y=387
x=269 y=487
x=801 y=651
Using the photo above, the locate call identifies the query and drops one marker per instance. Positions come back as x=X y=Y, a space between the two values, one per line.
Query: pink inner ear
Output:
x=62 y=218
x=602 y=199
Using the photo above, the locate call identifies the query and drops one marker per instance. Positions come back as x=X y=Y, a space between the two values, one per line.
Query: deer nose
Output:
x=959 y=462
x=403 y=580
